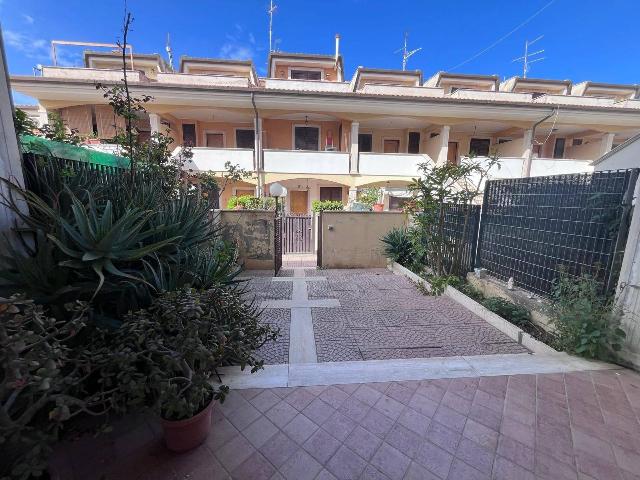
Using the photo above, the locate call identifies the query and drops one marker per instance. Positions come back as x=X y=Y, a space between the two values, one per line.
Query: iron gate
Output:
x=277 y=244
x=297 y=236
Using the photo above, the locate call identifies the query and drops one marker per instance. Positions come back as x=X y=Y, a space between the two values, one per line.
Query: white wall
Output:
x=404 y=164
x=627 y=157
x=297 y=161
x=213 y=159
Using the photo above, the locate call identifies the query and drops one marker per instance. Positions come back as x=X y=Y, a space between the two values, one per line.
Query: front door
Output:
x=452 y=153
x=299 y=202
x=215 y=140
x=391 y=146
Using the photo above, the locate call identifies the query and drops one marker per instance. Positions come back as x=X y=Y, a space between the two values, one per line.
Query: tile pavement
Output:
x=579 y=426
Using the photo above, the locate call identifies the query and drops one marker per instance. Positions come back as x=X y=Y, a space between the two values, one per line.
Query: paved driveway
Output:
x=367 y=315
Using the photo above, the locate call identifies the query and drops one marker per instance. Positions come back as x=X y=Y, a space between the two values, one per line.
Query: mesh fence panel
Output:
x=533 y=227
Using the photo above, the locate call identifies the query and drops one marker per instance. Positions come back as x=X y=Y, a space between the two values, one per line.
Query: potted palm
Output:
x=170 y=352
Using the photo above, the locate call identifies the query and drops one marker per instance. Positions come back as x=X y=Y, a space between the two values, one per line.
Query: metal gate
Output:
x=277 y=257
x=297 y=236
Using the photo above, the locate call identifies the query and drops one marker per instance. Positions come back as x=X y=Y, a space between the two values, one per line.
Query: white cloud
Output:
x=235 y=51
x=28 y=19
x=35 y=48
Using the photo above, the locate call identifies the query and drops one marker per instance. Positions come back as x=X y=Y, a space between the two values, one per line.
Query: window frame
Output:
x=370 y=135
x=409 y=141
x=482 y=139
x=305 y=69
x=555 y=146
x=235 y=137
x=195 y=133
x=215 y=132
x=334 y=187
x=398 y=139
x=308 y=125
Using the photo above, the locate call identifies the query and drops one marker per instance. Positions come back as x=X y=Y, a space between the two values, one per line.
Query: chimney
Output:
x=337 y=46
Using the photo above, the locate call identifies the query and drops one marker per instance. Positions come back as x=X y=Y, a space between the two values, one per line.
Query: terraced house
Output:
x=324 y=135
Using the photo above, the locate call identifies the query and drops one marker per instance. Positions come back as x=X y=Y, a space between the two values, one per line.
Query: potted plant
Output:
x=372 y=197
x=171 y=350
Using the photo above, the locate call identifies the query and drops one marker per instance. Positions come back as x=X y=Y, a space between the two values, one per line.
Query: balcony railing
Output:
x=400 y=164
x=304 y=161
x=305 y=85
x=214 y=159
x=75 y=73
x=208 y=80
x=511 y=167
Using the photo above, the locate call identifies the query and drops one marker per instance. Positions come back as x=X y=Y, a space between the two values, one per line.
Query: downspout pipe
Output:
x=526 y=167
x=257 y=148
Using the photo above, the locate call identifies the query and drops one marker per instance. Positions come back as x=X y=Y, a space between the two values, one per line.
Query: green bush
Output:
x=587 y=323
x=167 y=354
x=515 y=314
x=247 y=202
x=326 y=205
x=370 y=196
x=398 y=246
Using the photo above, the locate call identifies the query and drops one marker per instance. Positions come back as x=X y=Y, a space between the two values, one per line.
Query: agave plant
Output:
x=96 y=240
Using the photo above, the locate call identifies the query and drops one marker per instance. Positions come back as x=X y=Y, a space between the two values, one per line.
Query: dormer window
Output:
x=305 y=74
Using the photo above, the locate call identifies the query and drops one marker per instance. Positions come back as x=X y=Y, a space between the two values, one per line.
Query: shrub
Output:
x=247 y=202
x=587 y=323
x=45 y=365
x=398 y=246
x=166 y=354
x=370 y=196
x=439 y=283
x=326 y=205
x=516 y=314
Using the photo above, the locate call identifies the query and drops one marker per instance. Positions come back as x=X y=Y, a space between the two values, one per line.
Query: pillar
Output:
x=154 y=122
x=527 y=143
x=607 y=143
x=444 y=145
x=43 y=116
x=353 y=167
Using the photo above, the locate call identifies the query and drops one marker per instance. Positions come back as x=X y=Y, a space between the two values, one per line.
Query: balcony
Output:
x=305 y=85
x=213 y=159
x=511 y=167
x=304 y=161
x=74 y=73
x=398 y=164
x=202 y=80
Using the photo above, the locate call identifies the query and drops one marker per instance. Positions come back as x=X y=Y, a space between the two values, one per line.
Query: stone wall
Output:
x=252 y=231
x=352 y=239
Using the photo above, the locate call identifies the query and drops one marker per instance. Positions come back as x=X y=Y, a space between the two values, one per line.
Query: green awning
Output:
x=45 y=147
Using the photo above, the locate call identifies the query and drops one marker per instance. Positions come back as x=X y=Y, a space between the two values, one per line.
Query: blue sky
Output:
x=583 y=39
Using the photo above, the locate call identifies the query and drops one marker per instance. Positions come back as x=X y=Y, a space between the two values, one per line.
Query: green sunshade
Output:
x=42 y=146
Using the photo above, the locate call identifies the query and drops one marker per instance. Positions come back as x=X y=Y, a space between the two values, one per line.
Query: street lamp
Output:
x=277 y=190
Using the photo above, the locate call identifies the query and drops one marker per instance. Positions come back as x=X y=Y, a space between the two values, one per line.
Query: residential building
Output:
x=324 y=135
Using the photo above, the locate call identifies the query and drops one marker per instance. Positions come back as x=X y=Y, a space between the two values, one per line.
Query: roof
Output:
x=385 y=71
x=156 y=57
x=434 y=81
x=45 y=147
x=224 y=61
x=301 y=56
x=622 y=146
x=540 y=81
x=582 y=87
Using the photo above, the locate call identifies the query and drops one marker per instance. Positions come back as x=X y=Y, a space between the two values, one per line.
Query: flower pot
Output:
x=378 y=207
x=183 y=435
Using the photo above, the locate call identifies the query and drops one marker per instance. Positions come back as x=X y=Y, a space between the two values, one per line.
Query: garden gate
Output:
x=297 y=236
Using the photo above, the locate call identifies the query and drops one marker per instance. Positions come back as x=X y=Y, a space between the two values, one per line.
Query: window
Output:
x=577 y=141
x=504 y=140
x=558 y=148
x=306 y=75
x=365 y=142
x=414 y=142
x=331 y=193
x=479 y=147
x=306 y=138
x=214 y=140
x=396 y=203
x=391 y=145
x=245 y=138
x=189 y=134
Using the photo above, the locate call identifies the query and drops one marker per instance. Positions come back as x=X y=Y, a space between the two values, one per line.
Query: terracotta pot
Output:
x=378 y=207
x=183 y=435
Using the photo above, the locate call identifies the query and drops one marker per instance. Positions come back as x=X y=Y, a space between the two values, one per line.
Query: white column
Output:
x=354 y=164
x=43 y=116
x=607 y=143
x=444 y=145
x=154 y=121
x=527 y=143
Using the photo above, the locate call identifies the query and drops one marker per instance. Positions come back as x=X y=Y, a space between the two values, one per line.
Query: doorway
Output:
x=299 y=202
x=452 y=153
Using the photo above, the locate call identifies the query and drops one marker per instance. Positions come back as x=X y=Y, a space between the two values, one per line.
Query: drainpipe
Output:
x=526 y=166
x=257 y=147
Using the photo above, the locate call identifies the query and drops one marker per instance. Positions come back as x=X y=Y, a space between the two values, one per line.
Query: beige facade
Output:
x=317 y=128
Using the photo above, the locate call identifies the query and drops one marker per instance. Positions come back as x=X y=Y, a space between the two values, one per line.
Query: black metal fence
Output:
x=531 y=228
x=460 y=231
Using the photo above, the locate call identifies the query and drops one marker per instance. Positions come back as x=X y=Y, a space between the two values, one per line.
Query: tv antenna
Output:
x=406 y=54
x=169 y=51
x=271 y=11
x=529 y=57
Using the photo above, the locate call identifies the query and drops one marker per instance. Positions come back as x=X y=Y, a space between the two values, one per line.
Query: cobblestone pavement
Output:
x=576 y=426
x=384 y=316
